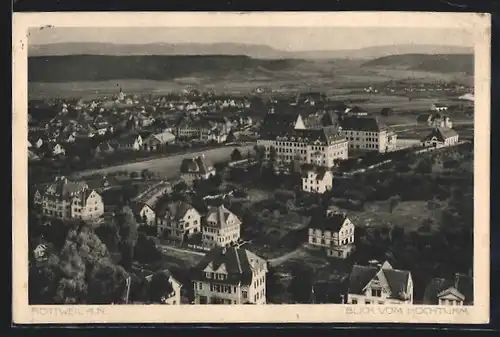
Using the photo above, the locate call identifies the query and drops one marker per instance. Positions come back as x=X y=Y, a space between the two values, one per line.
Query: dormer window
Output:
x=376 y=292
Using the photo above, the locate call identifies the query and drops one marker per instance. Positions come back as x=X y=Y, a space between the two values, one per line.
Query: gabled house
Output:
x=317 y=180
x=367 y=134
x=459 y=291
x=35 y=141
x=196 y=169
x=144 y=213
x=435 y=120
x=65 y=199
x=155 y=141
x=173 y=293
x=220 y=227
x=230 y=276
x=333 y=232
x=178 y=220
x=441 y=137
x=379 y=284
x=130 y=143
x=56 y=149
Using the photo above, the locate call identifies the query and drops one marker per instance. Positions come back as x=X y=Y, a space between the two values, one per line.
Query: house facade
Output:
x=145 y=213
x=155 y=141
x=317 y=180
x=173 y=297
x=196 y=168
x=456 y=291
x=441 y=137
x=287 y=137
x=178 y=220
x=230 y=276
x=66 y=199
x=132 y=142
x=367 y=134
x=333 y=232
x=379 y=284
x=220 y=227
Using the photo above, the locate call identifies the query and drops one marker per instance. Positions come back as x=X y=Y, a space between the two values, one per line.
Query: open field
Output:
x=324 y=75
x=168 y=167
x=408 y=214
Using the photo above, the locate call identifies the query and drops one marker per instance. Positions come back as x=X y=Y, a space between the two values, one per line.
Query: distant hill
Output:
x=150 y=67
x=251 y=50
x=444 y=63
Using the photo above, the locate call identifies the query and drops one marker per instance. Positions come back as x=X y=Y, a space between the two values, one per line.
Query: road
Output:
x=169 y=166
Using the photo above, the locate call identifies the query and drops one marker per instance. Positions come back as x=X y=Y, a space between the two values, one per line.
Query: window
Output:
x=244 y=294
x=368 y=302
x=376 y=292
x=354 y=301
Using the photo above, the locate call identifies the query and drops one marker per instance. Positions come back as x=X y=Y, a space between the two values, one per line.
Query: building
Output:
x=441 y=137
x=333 y=232
x=178 y=220
x=286 y=139
x=155 y=141
x=220 y=227
x=367 y=134
x=436 y=120
x=230 y=276
x=144 y=213
x=66 y=199
x=439 y=107
x=173 y=294
x=379 y=284
x=196 y=168
x=459 y=291
x=317 y=180
x=131 y=142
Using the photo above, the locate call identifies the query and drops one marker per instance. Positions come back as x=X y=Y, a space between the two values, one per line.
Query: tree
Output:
x=127 y=226
x=260 y=154
x=160 y=287
x=273 y=155
x=236 y=155
x=301 y=286
x=393 y=202
x=146 y=249
x=107 y=283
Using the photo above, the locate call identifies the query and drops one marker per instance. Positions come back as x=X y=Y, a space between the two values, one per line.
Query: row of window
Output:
x=332 y=243
x=318 y=232
x=361 y=132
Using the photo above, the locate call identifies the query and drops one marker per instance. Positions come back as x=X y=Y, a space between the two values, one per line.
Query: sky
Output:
x=282 y=38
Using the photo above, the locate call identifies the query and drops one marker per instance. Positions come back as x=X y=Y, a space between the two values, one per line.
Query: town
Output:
x=263 y=197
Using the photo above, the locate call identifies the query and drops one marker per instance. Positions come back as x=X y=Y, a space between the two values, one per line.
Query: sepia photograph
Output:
x=165 y=163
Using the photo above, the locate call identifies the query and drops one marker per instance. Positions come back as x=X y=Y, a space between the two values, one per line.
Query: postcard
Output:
x=281 y=167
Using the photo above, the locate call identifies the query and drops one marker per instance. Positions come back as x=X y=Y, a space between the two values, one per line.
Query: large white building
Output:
x=292 y=141
x=333 y=232
x=220 y=228
x=230 y=276
x=366 y=133
x=379 y=284
x=66 y=199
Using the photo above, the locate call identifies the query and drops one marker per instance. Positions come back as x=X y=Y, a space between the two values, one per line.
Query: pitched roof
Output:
x=361 y=276
x=319 y=172
x=164 y=137
x=441 y=134
x=331 y=221
x=175 y=210
x=220 y=215
x=195 y=165
x=278 y=124
x=366 y=124
x=63 y=187
x=239 y=264
x=462 y=283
